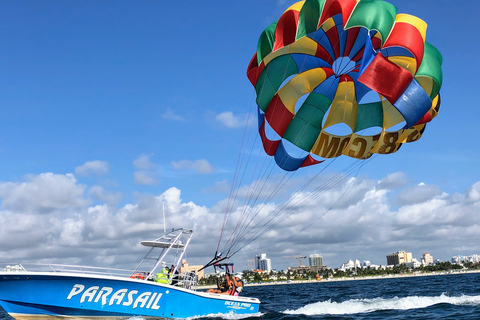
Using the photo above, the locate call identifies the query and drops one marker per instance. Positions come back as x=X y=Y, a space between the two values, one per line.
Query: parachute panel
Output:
x=334 y=53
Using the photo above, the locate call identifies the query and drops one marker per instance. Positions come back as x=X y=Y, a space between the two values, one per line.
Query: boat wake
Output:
x=377 y=304
x=226 y=316
x=229 y=316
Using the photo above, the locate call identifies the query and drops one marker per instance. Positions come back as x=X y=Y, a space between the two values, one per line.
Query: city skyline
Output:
x=425 y=259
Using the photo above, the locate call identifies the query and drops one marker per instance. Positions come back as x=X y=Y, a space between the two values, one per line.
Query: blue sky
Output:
x=110 y=107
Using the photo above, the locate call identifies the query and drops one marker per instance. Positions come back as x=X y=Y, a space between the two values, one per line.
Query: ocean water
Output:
x=455 y=296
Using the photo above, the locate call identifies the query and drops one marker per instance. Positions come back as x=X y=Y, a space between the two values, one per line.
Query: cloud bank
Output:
x=54 y=218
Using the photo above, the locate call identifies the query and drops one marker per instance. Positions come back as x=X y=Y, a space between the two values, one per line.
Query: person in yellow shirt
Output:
x=164 y=275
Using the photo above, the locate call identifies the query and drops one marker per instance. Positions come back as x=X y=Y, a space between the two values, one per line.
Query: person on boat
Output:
x=238 y=284
x=148 y=277
x=163 y=276
x=222 y=286
x=173 y=275
x=232 y=285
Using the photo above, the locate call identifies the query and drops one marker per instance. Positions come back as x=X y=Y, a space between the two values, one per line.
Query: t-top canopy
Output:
x=162 y=244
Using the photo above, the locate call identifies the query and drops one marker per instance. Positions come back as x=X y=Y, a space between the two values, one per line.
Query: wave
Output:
x=377 y=304
x=228 y=316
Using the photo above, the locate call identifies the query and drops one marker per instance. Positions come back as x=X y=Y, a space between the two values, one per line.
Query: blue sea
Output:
x=452 y=296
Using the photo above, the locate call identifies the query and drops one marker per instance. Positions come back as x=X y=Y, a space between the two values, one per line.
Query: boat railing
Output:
x=64 y=268
x=186 y=280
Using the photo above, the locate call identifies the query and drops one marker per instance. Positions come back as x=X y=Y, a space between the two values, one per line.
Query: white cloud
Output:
x=394 y=180
x=143 y=162
x=44 y=193
x=98 y=168
x=170 y=114
x=62 y=225
x=473 y=193
x=145 y=178
x=147 y=173
x=418 y=194
x=229 y=120
x=218 y=187
x=199 y=166
x=71 y=233
x=98 y=193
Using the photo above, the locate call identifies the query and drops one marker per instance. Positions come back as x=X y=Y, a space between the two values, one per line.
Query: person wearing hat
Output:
x=238 y=284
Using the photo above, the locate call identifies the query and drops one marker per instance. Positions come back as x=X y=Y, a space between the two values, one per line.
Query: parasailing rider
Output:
x=238 y=285
x=232 y=285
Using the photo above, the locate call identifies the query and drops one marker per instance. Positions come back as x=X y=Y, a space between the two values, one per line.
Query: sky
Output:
x=112 y=110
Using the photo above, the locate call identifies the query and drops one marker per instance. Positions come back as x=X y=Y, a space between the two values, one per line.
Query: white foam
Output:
x=370 y=305
x=228 y=316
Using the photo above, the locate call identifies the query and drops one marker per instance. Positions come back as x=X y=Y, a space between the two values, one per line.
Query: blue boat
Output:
x=85 y=292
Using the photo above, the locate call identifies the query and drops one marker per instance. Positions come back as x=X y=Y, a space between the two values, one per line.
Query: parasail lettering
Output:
x=328 y=146
x=104 y=296
x=389 y=143
x=358 y=147
x=361 y=150
x=414 y=136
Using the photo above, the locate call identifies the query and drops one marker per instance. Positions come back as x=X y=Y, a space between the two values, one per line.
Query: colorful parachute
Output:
x=319 y=66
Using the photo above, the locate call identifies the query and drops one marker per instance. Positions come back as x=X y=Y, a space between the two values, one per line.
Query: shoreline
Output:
x=391 y=276
x=387 y=276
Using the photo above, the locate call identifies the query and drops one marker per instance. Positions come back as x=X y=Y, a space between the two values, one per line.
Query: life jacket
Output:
x=231 y=287
x=222 y=286
x=162 y=277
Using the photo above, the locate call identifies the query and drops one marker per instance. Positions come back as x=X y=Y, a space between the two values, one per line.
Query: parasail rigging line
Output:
x=235 y=186
x=320 y=216
x=248 y=214
x=240 y=233
x=235 y=183
x=280 y=213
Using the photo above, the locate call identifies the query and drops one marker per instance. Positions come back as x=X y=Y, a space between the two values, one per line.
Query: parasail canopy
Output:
x=350 y=64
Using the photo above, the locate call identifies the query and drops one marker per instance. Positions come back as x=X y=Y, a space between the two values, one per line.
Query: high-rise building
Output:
x=351 y=265
x=315 y=260
x=399 y=258
x=427 y=259
x=263 y=263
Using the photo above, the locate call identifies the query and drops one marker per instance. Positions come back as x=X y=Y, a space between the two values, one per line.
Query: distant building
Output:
x=366 y=264
x=263 y=263
x=427 y=259
x=457 y=260
x=315 y=260
x=376 y=267
x=413 y=264
x=187 y=268
x=398 y=258
x=350 y=265
x=475 y=258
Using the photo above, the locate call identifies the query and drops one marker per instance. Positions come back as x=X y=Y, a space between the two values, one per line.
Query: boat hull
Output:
x=32 y=295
